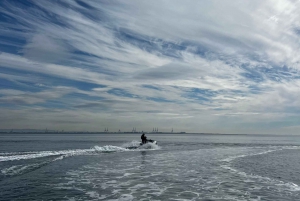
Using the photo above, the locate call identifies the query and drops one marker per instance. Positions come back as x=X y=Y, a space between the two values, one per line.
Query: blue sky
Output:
x=195 y=66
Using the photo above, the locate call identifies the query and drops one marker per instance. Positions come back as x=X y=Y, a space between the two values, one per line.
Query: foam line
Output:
x=41 y=154
x=274 y=148
x=21 y=169
x=246 y=155
x=291 y=186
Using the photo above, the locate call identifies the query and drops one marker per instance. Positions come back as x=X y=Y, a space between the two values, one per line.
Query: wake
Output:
x=52 y=156
x=66 y=153
x=263 y=179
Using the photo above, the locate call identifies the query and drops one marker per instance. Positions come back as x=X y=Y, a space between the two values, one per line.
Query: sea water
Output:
x=180 y=167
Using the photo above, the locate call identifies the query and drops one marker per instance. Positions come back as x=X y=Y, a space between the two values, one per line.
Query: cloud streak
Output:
x=209 y=66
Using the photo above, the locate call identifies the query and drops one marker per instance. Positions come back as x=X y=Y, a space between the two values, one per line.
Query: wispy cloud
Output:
x=209 y=66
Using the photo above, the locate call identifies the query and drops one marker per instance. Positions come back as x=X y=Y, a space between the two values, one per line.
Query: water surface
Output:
x=181 y=167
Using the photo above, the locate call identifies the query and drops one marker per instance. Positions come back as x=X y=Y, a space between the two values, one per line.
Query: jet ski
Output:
x=152 y=141
x=141 y=144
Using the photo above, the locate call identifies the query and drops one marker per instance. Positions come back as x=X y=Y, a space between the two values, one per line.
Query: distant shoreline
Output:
x=74 y=132
x=152 y=133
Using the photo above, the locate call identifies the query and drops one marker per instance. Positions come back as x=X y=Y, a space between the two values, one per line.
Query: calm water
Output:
x=182 y=167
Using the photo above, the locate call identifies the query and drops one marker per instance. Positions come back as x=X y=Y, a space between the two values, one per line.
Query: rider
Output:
x=144 y=138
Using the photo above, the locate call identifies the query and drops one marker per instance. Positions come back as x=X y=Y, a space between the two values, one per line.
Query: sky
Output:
x=207 y=66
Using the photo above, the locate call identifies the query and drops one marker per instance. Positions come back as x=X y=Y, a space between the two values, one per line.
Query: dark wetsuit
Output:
x=144 y=138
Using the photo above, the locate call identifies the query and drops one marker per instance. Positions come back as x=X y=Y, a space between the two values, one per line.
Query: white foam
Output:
x=229 y=159
x=109 y=148
x=63 y=153
x=42 y=154
x=137 y=145
x=124 y=197
x=291 y=186
x=133 y=143
x=149 y=145
x=128 y=174
x=273 y=149
x=11 y=170
x=20 y=169
x=95 y=195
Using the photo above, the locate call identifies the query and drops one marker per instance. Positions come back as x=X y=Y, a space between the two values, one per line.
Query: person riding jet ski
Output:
x=144 y=138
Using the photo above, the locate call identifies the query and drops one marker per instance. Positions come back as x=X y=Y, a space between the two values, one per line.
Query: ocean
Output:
x=181 y=167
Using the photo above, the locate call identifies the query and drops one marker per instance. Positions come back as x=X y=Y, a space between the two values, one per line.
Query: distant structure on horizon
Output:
x=46 y=131
x=155 y=130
